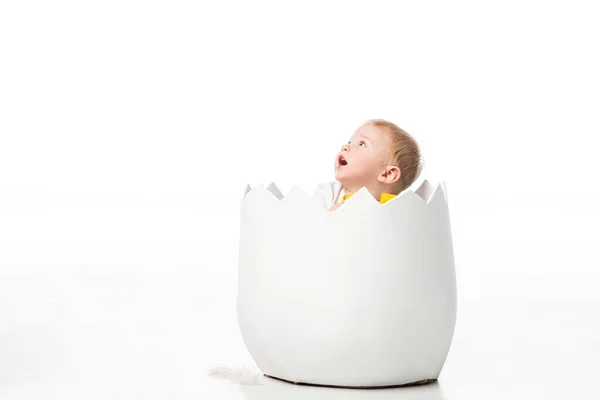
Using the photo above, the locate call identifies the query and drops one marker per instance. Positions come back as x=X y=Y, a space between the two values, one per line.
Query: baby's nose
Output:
x=345 y=147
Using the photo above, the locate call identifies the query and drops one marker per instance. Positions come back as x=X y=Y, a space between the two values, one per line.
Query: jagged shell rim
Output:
x=424 y=189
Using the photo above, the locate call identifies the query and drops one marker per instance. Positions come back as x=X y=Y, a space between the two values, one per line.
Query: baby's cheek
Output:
x=364 y=168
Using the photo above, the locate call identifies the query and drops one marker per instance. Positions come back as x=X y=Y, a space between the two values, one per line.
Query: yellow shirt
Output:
x=385 y=197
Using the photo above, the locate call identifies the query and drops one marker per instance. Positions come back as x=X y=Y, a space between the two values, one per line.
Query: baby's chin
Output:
x=341 y=177
x=348 y=181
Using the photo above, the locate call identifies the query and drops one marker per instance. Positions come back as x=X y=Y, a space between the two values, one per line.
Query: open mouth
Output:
x=342 y=160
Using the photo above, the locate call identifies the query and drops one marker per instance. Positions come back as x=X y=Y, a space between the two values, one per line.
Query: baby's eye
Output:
x=362 y=143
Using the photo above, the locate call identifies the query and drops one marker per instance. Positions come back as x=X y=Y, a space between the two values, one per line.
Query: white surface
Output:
x=157 y=330
x=127 y=129
x=363 y=296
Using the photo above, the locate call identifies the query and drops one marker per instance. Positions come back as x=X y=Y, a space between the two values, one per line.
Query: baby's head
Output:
x=381 y=157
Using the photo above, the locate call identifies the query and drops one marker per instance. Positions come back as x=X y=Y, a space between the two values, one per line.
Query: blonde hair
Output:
x=404 y=153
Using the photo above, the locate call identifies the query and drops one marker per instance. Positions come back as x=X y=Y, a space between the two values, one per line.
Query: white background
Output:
x=128 y=131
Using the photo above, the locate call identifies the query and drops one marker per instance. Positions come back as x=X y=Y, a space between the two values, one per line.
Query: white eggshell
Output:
x=361 y=296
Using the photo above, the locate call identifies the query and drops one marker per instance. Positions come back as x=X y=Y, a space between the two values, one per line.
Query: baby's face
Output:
x=360 y=162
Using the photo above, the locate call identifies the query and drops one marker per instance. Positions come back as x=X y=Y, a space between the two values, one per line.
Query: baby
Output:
x=381 y=157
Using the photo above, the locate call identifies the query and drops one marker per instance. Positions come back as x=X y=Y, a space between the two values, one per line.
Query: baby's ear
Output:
x=390 y=174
